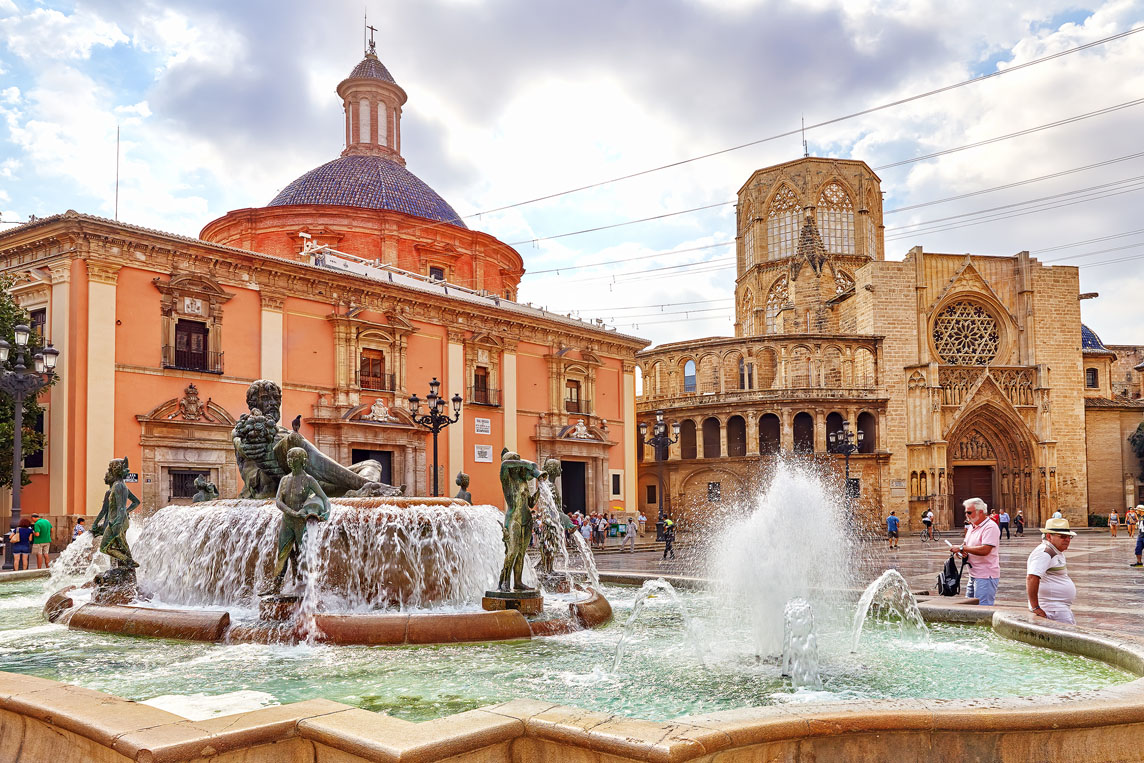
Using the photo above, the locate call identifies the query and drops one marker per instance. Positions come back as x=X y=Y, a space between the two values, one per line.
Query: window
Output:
x=183 y=482
x=776 y=301
x=746 y=375
x=36 y=460
x=651 y=497
x=966 y=334
x=437 y=274
x=371 y=370
x=689 y=376
x=783 y=224
x=714 y=491
x=836 y=219
x=38 y=323
x=191 y=347
x=572 y=397
x=747 y=314
x=617 y=484
x=1091 y=378
x=749 y=246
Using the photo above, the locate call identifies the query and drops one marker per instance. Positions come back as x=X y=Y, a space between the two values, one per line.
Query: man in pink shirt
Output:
x=982 y=538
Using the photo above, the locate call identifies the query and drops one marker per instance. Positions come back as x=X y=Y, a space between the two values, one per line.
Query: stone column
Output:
x=59 y=417
x=628 y=438
x=752 y=433
x=454 y=382
x=787 y=439
x=273 y=329
x=101 y=285
x=819 y=430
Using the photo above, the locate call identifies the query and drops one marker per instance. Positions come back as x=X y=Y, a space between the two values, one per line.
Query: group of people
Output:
x=31 y=538
x=1132 y=519
x=594 y=529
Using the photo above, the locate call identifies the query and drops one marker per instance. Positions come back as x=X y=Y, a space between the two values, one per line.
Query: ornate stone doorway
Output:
x=993 y=454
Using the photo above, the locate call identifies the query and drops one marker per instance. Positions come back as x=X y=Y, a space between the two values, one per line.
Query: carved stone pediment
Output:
x=371 y=413
x=190 y=409
x=968 y=280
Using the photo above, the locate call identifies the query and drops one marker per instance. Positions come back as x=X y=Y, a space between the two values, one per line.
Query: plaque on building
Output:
x=483 y=426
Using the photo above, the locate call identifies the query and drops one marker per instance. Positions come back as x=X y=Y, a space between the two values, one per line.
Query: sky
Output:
x=220 y=105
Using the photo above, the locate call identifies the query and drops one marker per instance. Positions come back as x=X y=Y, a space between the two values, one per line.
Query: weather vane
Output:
x=372 y=45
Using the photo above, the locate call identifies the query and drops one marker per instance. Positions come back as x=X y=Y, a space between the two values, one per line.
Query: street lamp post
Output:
x=659 y=440
x=436 y=419
x=19 y=382
x=846 y=441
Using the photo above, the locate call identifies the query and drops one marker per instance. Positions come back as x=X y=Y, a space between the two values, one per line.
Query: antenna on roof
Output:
x=805 y=151
x=116 y=172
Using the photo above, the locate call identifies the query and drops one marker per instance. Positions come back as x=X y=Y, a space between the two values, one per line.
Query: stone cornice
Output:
x=103 y=272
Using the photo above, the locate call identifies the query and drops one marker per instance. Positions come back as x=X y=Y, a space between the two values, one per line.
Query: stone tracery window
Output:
x=776 y=299
x=783 y=223
x=749 y=245
x=966 y=334
x=836 y=219
x=747 y=314
x=842 y=282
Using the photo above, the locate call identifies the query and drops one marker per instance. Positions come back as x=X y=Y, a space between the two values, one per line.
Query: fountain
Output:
x=889 y=601
x=800 y=645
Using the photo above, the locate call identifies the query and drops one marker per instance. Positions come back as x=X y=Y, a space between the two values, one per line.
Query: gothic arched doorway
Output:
x=991 y=456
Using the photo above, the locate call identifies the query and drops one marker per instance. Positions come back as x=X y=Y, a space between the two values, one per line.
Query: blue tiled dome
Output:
x=1090 y=342
x=370 y=182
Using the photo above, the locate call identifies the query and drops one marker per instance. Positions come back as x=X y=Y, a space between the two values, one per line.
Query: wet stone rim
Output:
x=42 y=719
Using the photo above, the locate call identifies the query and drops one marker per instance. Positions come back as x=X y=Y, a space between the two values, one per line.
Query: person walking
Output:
x=643 y=522
x=630 y=536
x=982 y=538
x=41 y=540
x=21 y=540
x=1005 y=525
x=1048 y=586
x=1020 y=522
x=668 y=538
x=1130 y=519
x=892 y=530
x=1139 y=536
x=1113 y=523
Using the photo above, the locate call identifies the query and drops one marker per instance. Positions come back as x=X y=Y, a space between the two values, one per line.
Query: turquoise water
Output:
x=662 y=675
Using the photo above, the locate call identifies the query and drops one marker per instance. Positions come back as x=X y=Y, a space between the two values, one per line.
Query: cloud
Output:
x=68 y=37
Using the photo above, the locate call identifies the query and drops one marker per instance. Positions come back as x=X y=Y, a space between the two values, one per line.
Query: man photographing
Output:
x=982 y=538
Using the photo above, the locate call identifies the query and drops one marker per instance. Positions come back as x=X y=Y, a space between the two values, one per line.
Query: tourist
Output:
x=927 y=520
x=1020 y=522
x=1005 y=524
x=41 y=540
x=1113 y=523
x=586 y=530
x=1139 y=536
x=668 y=538
x=996 y=519
x=643 y=522
x=1050 y=590
x=892 y=530
x=981 y=541
x=1130 y=518
x=630 y=536
x=21 y=540
x=80 y=529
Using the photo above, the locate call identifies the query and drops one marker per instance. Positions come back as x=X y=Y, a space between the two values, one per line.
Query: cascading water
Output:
x=649 y=590
x=369 y=555
x=890 y=601
x=800 y=645
x=553 y=521
x=312 y=571
x=78 y=563
x=794 y=543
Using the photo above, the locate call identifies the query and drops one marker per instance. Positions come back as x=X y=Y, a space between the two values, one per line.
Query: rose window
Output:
x=965 y=334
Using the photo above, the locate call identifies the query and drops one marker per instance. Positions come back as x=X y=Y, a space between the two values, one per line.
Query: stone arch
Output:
x=712 y=438
x=688 y=448
x=766 y=366
x=689 y=372
x=868 y=425
x=747 y=313
x=798 y=367
x=864 y=370
x=732 y=370
x=832 y=367
x=707 y=379
x=697 y=497
x=987 y=436
x=834 y=421
x=736 y=436
x=770 y=434
x=777 y=299
x=654 y=381
x=803 y=426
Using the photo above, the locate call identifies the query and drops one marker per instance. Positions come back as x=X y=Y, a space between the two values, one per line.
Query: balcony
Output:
x=484 y=396
x=186 y=360
x=380 y=383
x=578 y=406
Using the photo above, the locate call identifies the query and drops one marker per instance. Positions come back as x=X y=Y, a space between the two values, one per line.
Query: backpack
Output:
x=949 y=579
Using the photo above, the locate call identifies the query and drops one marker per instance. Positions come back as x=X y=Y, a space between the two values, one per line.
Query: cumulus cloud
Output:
x=73 y=36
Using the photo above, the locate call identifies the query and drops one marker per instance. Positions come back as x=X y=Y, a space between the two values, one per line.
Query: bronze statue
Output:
x=301 y=499
x=463 y=483
x=515 y=473
x=261 y=445
x=551 y=528
x=113 y=519
x=205 y=490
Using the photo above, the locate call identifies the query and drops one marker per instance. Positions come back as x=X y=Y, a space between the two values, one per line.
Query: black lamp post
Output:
x=436 y=419
x=18 y=382
x=659 y=440
x=846 y=441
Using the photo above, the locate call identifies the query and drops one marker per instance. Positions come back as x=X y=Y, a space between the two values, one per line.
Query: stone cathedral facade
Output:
x=967 y=375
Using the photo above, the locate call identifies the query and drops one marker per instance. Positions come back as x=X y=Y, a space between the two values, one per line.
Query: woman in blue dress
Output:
x=21 y=540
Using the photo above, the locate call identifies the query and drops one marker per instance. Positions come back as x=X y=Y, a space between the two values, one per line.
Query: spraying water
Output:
x=312 y=571
x=889 y=600
x=552 y=526
x=369 y=555
x=650 y=590
x=794 y=543
x=800 y=645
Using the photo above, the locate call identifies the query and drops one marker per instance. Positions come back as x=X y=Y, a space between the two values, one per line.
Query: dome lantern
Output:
x=372 y=101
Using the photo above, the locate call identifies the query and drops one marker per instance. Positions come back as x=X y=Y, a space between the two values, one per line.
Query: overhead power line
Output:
x=835 y=120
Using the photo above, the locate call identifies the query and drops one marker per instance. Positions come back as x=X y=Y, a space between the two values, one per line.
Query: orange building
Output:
x=352 y=289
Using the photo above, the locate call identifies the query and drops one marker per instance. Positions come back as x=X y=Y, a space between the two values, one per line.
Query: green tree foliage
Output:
x=1136 y=440
x=11 y=314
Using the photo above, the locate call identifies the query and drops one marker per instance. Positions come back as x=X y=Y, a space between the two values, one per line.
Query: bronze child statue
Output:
x=205 y=490
x=463 y=483
x=301 y=499
x=113 y=520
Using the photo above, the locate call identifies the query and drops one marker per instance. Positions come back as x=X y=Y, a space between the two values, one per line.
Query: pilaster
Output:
x=101 y=287
x=273 y=331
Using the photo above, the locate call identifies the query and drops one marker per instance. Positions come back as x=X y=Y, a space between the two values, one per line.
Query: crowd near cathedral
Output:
x=947 y=375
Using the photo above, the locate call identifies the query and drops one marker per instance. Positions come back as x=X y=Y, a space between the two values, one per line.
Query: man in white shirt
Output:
x=1050 y=590
x=1004 y=524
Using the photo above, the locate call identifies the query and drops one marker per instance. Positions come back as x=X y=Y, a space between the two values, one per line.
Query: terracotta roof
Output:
x=369 y=182
x=371 y=68
x=1119 y=402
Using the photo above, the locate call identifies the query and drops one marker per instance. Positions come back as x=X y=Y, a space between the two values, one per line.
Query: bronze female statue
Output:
x=113 y=519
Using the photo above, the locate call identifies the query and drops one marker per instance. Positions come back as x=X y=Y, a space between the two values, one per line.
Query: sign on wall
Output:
x=483 y=426
x=131 y=477
x=483 y=454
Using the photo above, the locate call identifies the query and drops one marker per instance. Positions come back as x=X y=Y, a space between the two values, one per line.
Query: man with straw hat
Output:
x=1050 y=590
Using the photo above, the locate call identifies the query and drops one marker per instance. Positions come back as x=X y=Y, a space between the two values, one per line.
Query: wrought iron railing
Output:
x=484 y=396
x=380 y=383
x=578 y=406
x=186 y=360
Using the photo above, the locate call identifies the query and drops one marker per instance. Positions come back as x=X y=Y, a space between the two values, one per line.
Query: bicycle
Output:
x=925 y=535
